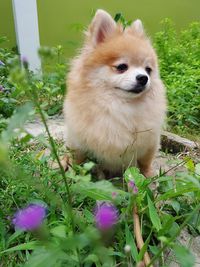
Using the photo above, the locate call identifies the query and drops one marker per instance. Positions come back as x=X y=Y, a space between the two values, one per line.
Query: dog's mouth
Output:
x=135 y=90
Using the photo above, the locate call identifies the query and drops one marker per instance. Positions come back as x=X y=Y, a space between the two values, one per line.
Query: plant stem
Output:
x=138 y=235
x=52 y=143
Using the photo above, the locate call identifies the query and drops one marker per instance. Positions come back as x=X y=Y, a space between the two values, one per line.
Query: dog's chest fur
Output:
x=116 y=132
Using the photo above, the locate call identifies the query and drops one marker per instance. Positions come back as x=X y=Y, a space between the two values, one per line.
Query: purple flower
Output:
x=1 y=63
x=1 y=88
x=132 y=187
x=106 y=216
x=30 y=218
x=24 y=61
x=114 y=195
x=131 y=184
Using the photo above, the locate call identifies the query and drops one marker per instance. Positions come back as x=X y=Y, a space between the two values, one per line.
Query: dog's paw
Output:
x=65 y=161
x=149 y=172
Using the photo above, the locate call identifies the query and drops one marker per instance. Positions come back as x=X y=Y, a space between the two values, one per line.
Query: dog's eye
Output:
x=148 y=70
x=121 y=68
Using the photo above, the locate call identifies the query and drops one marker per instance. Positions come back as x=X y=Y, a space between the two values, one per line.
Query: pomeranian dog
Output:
x=115 y=104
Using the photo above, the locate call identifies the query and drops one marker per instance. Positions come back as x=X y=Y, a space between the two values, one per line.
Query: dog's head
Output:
x=119 y=60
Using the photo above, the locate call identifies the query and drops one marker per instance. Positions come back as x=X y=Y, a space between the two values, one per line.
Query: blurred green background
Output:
x=62 y=21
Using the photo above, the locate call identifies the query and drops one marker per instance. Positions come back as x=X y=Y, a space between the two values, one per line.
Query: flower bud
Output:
x=29 y=218
x=106 y=216
x=127 y=249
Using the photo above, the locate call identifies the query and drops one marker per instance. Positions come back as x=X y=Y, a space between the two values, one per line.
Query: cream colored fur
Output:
x=120 y=129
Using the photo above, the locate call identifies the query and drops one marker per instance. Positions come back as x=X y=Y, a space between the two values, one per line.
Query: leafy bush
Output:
x=50 y=85
x=8 y=99
x=179 y=56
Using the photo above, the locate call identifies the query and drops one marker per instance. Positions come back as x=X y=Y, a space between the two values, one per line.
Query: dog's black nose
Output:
x=142 y=79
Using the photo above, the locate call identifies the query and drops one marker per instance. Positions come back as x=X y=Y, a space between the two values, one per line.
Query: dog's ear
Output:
x=137 y=28
x=102 y=26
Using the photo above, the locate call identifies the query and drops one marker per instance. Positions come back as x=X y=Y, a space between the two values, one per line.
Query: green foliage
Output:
x=13 y=81
x=184 y=256
x=154 y=215
x=179 y=55
x=7 y=99
x=120 y=18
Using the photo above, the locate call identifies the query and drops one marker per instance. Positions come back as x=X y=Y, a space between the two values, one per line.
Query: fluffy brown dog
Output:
x=115 y=105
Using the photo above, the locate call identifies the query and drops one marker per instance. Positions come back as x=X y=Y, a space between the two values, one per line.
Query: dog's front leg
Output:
x=74 y=157
x=145 y=163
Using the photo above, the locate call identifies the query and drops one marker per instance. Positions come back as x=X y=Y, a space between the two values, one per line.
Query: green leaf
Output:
x=179 y=191
x=144 y=248
x=169 y=226
x=190 y=165
x=175 y=205
x=88 y=165
x=133 y=174
x=153 y=215
x=130 y=241
x=13 y=237
x=17 y=121
x=49 y=256
x=184 y=256
x=88 y=215
x=167 y=222
x=116 y=253
x=92 y=258
x=101 y=190
x=26 y=246
x=117 y=17
x=59 y=231
x=197 y=169
x=164 y=239
x=154 y=249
